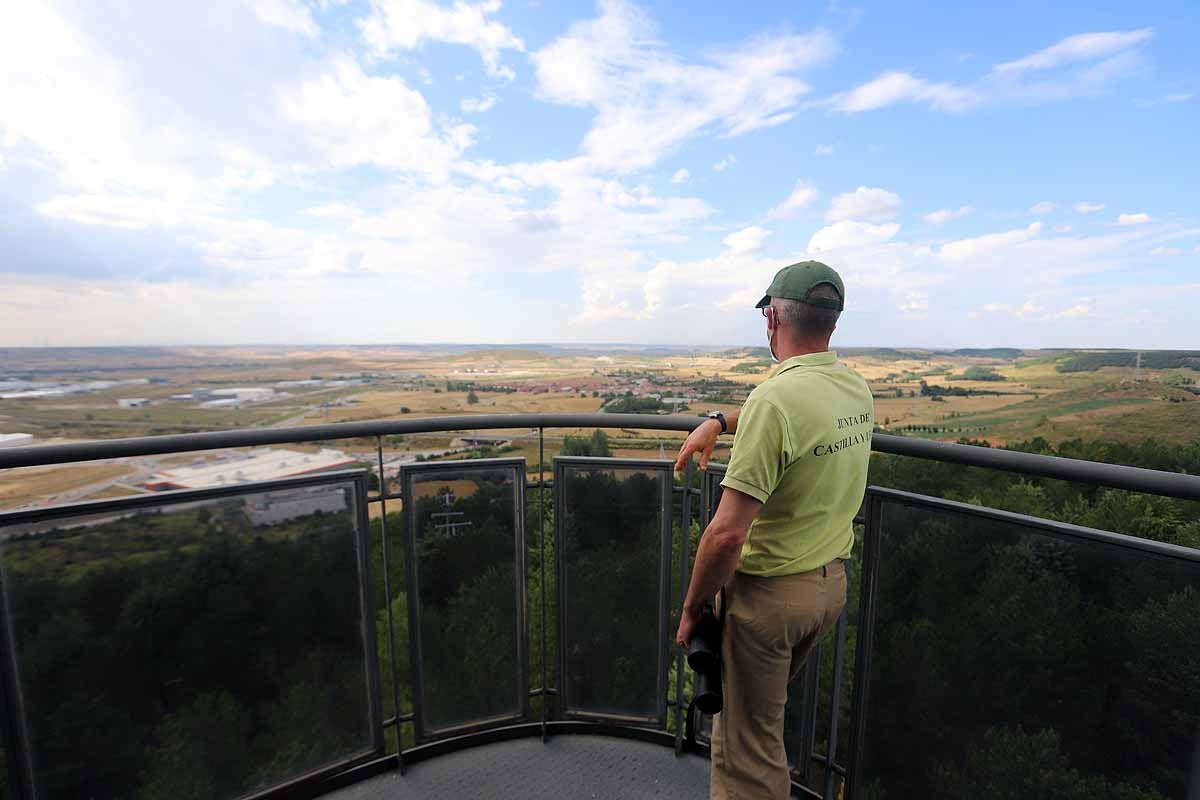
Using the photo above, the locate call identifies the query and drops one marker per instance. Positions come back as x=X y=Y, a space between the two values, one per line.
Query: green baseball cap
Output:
x=797 y=281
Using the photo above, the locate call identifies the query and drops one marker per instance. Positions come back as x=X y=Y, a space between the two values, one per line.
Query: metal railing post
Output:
x=835 y=704
x=811 y=688
x=685 y=531
x=387 y=590
x=542 y=543
x=867 y=599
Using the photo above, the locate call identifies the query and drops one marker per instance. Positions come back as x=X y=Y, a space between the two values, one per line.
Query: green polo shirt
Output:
x=802 y=446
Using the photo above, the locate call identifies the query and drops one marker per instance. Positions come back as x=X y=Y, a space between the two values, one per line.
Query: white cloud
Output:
x=1062 y=228
x=915 y=305
x=1178 y=98
x=823 y=150
x=407 y=24
x=1026 y=310
x=944 y=215
x=291 y=15
x=966 y=249
x=864 y=203
x=1114 y=54
x=1085 y=207
x=680 y=177
x=746 y=240
x=1074 y=49
x=1133 y=219
x=1166 y=251
x=648 y=100
x=332 y=211
x=802 y=195
x=1078 y=311
x=725 y=163
x=850 y=233
x=44 y=55
x=114 y=211
x=477 y=105
x=354 y=119
x=1042 y=208
x=897 y=87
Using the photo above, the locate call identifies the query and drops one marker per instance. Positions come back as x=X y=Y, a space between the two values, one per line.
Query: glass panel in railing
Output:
x=1018 y=658
x=204 y=645
x=612 y=547
x=467 y=559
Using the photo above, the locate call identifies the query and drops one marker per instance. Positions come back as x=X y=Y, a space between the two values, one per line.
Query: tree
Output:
x=594 y=445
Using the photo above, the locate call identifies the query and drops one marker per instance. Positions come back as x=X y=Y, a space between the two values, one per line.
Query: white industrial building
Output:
x=246 y=394
x=227 y=402
x=15 y=439
x=257 y=465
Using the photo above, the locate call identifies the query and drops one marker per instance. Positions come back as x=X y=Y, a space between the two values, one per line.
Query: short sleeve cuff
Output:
x=758 y=494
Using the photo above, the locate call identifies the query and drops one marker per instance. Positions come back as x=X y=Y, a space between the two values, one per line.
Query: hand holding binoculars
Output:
x=704 y=657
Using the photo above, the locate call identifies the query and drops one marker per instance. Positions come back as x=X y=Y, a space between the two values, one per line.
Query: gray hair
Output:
x=808 y=320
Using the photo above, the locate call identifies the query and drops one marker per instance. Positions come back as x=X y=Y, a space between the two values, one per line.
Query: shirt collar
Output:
x=807 y=360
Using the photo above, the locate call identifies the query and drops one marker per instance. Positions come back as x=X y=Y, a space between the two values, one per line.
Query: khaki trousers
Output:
x=771 y=626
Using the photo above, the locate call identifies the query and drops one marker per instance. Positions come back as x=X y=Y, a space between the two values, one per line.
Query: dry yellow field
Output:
x=29 y=483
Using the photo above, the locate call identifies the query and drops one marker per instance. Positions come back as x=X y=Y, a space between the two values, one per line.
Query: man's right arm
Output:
x=703 y=439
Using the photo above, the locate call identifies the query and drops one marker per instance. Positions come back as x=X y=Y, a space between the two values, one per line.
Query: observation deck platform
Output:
x=565 y=767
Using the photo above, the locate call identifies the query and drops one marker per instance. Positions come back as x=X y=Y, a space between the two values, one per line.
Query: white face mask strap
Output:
x=773 y=327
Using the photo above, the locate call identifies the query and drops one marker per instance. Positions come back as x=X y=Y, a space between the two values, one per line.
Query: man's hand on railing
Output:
x=702 y=440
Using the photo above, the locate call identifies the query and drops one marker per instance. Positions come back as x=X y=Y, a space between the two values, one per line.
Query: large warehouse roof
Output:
x=258 y=465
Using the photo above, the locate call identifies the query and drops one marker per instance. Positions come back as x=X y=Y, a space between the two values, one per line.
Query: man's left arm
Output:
x=718 y=555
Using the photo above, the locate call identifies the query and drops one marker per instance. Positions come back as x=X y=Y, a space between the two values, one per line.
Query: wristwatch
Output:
x=719 y=417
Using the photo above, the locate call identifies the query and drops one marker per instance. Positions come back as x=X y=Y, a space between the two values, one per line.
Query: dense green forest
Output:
x=214 y=659
x=1150 y=359
x=610 y=554
x=1010 y=663
x=628 y=403
x=467 y=556
x=192 y=655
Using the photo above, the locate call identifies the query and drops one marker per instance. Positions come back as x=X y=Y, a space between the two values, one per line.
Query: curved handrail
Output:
x=1116 y=476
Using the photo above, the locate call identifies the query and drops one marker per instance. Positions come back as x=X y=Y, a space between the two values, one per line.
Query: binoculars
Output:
x=704 y=657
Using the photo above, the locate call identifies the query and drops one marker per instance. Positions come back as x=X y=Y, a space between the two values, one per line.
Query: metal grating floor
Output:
x=565 y=767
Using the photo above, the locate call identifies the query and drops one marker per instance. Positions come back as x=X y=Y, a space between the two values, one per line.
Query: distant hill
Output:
x=884 y=353
x=1151 y=359
x=1008 y=353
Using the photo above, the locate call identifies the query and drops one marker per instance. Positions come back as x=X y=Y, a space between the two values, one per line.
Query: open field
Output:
x=999 y=397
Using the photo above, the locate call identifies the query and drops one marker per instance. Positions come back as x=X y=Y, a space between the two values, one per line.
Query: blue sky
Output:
x=320 y=171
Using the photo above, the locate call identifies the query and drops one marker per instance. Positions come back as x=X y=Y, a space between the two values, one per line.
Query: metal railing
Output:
x=558 y=714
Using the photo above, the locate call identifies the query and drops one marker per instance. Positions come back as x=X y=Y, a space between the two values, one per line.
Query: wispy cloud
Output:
x=850 y=233
x=648 y=99
x=1078 y=48
x=823 y=150
x=1085 y=207
x=680 y=177
x=801 y=197
x=1133 y=219
x=864 y=203
x=400 y=25
x=898 y=87
x=725 y=163
x=1097 y=59
x=746 y=240
x=965 y=249
x=1042 y=208
x=478 y=105
x=944 y=215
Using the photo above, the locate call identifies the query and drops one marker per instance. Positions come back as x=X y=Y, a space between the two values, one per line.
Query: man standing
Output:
x=783 y=528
